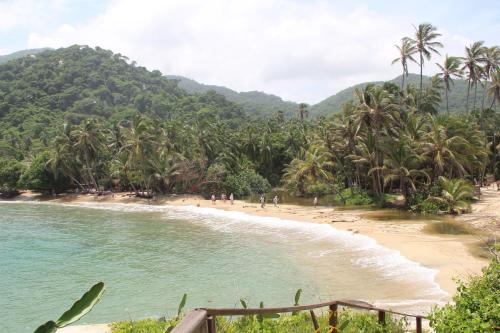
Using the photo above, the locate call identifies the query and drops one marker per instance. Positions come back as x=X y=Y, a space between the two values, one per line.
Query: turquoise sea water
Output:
x=148 y=256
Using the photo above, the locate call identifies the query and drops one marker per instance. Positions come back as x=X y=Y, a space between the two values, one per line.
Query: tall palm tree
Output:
x=375 y=112
x=491 y=66
x=89 y=141
x=444 y=154
x=303 y=112
x=406 y=52
x=494 y=89
x=141 y=147
x=449 y=70
x=474 y=56
x=401 y=163
x=426 y=44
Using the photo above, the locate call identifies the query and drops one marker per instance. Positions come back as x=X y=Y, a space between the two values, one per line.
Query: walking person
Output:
x=213 y=199
x=231 y=198
x=315 y=201
x=275 y=201
x=223 y=197
x=262 y=200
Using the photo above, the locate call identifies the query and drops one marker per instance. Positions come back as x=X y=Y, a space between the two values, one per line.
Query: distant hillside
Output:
x=38 y=94
x=20 y=54
x=457 y=96
x=253 y=102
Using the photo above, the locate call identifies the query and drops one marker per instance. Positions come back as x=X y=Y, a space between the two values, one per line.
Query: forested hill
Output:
x=253 y=102
x=39 y=93
x=457 y=96
x=20 y=54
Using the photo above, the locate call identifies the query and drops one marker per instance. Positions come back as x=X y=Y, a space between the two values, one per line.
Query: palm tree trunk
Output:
x=403 y=82
x=421 y=77
x=494 y=159
x=475 y=94
x=447 y=107
x=467 y=100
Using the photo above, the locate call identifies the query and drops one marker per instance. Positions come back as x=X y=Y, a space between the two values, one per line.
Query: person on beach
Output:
x=315 y=201
x=223 y=197
x=262 y=200
x=231 y=198
x=213 y=199
x=275 y=201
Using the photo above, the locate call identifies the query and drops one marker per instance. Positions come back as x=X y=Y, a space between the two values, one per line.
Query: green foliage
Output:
x=455 y=195
x=10 y=171
x=354 y=197
x=140 y=326
x=476 y=305
x=38 y=176
x=79 y=309
x=349 y=321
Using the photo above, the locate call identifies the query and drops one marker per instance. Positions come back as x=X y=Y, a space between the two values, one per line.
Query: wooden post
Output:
x=211 y=324
x=381 y=317
x=314 y=320
x=419 y=325
x=332 y=321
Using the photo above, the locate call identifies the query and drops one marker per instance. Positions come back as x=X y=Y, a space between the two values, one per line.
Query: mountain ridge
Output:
x=260 y=104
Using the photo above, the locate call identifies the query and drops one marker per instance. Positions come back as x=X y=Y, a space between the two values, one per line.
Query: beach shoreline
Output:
x=449 y=255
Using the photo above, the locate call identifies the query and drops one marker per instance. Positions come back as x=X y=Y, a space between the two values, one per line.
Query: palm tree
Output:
x=444 y=153
x=454 y=195
x=449 y=70
x=313 y=165
x=474 y=56
x=88 y=141
x=406 y=52
x=141 y=147
x=401 y=163
x=494 y=89
x=431 y=97
x=367 y=154
x=425 y=44
x=63 y=160
x=491 y=66
x=303 y=112
x=376 y=111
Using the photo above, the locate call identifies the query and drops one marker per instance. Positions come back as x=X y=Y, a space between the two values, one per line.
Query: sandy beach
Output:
x=450 y=255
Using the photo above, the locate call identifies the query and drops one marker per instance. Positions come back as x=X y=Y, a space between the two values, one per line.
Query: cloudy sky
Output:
x=301 y=50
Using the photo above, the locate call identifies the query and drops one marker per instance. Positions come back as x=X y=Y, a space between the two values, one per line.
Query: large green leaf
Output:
x=82 y=306
x=48 y=327
x=181 y=305
x=297 y=296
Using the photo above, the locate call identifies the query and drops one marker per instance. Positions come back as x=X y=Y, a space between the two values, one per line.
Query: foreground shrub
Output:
x=349 y=322
x=476 y=305
x=140 y=326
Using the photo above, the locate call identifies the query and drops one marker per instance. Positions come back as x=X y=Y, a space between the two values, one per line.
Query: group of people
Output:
x=262 y=200
x=223 y=197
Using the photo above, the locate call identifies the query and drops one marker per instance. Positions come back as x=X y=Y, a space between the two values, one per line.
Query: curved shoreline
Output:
x=449 y=255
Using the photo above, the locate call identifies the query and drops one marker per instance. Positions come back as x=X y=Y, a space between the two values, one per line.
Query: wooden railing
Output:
x=202 y=320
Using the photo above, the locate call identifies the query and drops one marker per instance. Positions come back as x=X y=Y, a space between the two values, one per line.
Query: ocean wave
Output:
x=370 y=254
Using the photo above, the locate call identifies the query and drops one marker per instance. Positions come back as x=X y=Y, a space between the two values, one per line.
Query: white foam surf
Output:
x=370 y=254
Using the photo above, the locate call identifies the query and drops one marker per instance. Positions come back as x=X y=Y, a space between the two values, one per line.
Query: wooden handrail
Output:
x=262 y=311
x=194 y=322
x=202 y=320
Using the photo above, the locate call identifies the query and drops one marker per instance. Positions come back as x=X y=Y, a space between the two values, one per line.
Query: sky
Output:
x=300 y=50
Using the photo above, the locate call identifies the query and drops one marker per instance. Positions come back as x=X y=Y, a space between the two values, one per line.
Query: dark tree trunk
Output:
x=467 y=100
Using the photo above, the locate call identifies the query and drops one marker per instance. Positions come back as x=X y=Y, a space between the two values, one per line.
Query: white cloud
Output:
x=302 y=51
